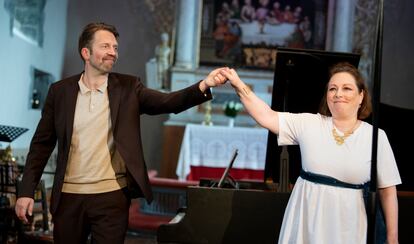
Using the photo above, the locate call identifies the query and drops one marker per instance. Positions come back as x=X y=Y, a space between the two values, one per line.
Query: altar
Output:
x=206 y=151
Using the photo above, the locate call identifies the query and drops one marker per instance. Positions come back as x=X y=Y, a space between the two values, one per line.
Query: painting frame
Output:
x=230 y=38
x=27 y=19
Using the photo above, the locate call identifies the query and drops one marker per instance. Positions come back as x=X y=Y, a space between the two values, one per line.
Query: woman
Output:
x=334 y=143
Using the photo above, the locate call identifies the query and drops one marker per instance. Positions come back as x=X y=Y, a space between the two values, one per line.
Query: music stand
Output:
x=226 y=174
x=7 y=176
x=10 y=133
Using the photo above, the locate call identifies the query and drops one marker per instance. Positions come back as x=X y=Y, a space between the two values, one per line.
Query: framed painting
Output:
x=246 y=33
x=26 y=19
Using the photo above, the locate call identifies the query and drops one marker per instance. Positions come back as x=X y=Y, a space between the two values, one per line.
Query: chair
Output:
x=41 y=210
x=8 y=175
x=39 y=229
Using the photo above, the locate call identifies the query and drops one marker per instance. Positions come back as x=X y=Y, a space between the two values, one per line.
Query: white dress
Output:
x=325 y=214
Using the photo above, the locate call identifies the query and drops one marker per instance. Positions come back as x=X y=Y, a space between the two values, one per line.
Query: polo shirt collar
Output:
x=84 y=89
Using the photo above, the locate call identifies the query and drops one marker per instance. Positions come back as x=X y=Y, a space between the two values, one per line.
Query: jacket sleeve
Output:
x=155 y=102
x=41 y=147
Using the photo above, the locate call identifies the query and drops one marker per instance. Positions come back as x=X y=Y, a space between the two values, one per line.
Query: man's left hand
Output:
x=213 y=79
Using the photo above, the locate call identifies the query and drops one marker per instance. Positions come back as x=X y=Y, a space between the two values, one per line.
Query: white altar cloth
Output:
x=213 y=146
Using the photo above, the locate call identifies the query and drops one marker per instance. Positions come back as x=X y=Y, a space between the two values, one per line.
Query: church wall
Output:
x=18 y=58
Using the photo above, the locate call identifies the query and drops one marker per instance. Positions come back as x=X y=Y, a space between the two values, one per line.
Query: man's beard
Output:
x=104 y=67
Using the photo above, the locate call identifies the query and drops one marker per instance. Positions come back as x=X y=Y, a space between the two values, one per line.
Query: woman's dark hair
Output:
x=366 y=107
x=85 y=39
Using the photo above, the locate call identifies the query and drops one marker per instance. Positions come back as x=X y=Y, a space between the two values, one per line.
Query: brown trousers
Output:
x=104 y=216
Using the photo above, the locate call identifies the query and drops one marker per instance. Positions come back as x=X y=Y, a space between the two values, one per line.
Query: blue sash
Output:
x=380 y=229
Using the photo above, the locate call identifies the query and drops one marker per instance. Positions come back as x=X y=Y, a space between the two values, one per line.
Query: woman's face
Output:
x=343 y=96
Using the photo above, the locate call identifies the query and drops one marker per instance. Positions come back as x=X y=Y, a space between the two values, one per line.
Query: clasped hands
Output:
x=219 y=77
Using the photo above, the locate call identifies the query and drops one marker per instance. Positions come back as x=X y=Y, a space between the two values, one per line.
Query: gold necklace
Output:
x=340 y=139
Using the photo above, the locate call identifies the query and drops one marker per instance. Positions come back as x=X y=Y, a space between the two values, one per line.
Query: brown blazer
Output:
x=128 y=99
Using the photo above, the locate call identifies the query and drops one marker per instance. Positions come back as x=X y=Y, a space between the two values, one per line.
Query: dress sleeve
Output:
x=388 y=174
x=291 y=126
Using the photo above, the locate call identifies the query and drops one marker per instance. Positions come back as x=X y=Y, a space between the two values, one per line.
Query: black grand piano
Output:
x=252 y=212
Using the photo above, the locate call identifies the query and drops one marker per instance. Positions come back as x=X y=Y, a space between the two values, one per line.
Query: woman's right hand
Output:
x=255 y=106
x=233 y=77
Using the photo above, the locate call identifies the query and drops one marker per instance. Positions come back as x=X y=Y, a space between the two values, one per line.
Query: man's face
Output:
x=103 y=52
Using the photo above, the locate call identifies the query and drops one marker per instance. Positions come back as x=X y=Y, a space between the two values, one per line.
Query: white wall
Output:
x=16 y=62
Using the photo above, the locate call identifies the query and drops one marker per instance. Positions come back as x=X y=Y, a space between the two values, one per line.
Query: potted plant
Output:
x=231 y=109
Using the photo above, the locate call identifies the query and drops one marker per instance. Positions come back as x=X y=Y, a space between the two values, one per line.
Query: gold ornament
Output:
x=6 y=155
x=340 y=139
x=207 y=114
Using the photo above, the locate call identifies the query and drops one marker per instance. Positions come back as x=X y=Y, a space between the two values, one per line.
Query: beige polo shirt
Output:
x=94 y=164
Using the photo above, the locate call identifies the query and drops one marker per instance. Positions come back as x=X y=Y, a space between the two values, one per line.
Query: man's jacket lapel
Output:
x=70 y=105
x=114 y=95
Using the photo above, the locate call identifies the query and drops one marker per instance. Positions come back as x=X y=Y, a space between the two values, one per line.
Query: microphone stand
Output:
x=372 y=205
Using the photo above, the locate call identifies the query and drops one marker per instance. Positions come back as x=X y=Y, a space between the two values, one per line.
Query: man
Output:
x=95 y=118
